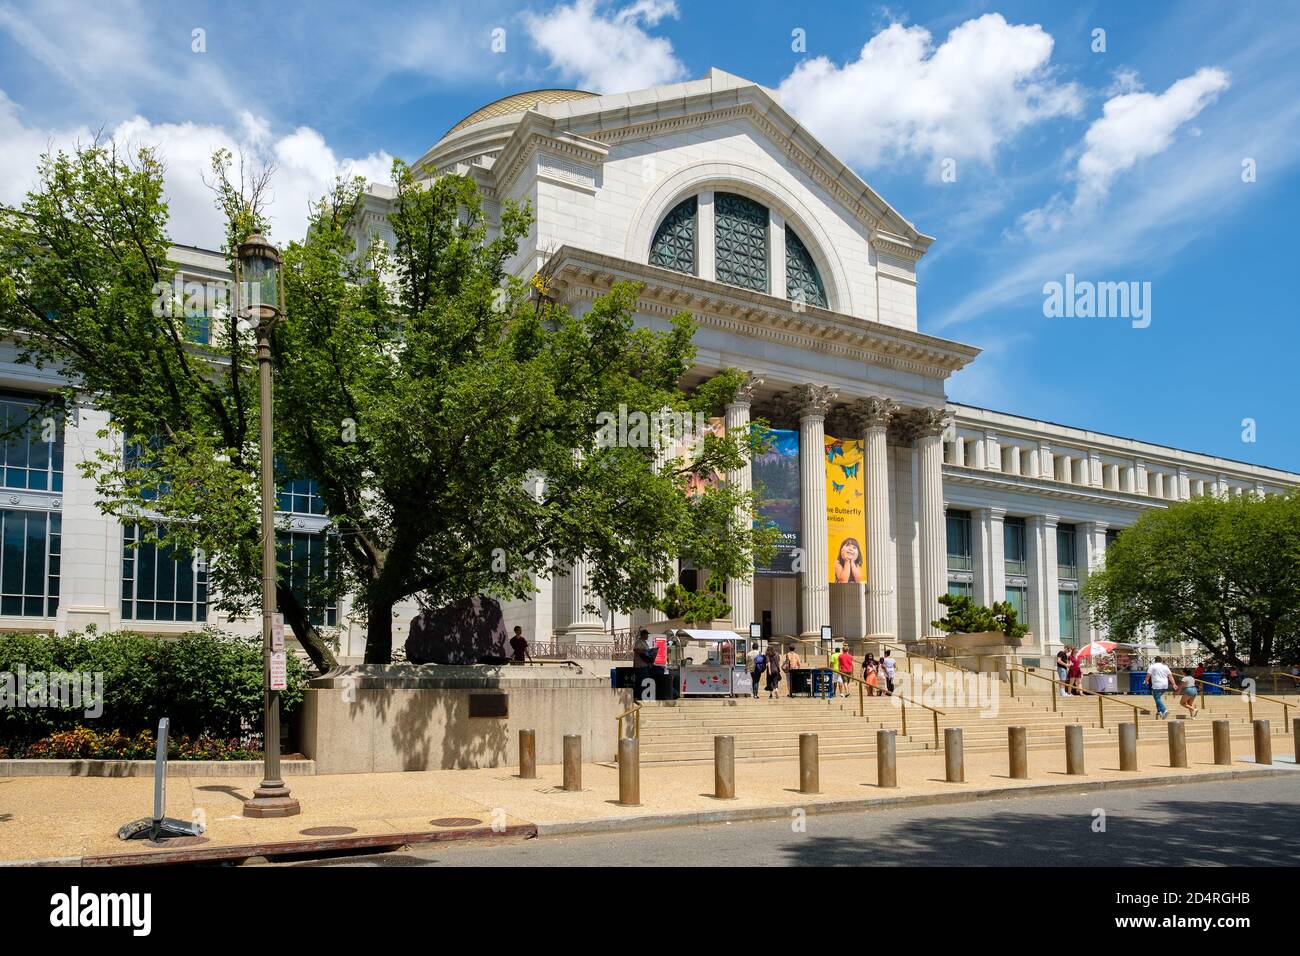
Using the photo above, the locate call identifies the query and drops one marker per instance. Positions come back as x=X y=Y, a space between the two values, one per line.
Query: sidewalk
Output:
x=74 y=820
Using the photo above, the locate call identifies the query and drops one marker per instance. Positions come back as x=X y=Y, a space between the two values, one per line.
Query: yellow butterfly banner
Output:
x=845 y=511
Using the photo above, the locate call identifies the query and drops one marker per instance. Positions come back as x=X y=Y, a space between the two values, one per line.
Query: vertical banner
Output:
x=776 y=478
x=845 y=522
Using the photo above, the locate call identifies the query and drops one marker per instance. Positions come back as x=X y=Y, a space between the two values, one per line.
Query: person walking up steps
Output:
x=1187 y=693
x=888 y=665
x=1158 y=677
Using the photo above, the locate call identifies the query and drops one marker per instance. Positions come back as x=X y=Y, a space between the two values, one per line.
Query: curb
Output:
x=697 y=818
x=145 y=768
x=245 y=851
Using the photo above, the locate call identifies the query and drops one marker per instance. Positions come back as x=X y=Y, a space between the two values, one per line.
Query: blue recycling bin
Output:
x=1214 y=679
x=1137 y=683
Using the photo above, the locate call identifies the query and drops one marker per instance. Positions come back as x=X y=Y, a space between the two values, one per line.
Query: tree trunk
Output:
x=379 y=633
x=295 y=615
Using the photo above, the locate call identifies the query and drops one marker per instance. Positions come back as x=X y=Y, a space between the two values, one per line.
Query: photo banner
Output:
x=845 y=514
x=776 y=478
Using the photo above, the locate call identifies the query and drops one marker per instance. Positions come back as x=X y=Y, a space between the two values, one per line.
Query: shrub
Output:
x=82 y=743
x=966 y=617
x=209 y=684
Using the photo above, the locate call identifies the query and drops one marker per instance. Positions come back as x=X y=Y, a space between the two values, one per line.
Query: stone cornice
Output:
x=578 y=274
x=1045 y=488
x=535 y=133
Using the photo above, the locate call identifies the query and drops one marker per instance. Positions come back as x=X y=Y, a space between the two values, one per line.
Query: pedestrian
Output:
x=871 y=674
x=1063 y=670
x=888 y=664
x=1158 y=678
x=773 y=673
x=1076 y=673
x=643 y=658
x=1187 y=693
x=833 y=662
x=519 y=645
x=846 y=666
x=790 y=662
x=757 y=665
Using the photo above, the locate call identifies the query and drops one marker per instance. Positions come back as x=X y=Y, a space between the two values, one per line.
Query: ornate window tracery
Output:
x=802 y=280
x=740 y=241
x=674 y=242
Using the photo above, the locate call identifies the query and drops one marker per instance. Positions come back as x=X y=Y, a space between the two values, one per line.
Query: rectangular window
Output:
x=1013 y=542
x=1067 y=562
x=1016 y=598
x=964 y=588
x=1067 y=604
x=959 y=553
x=1111 y=537
x=30 y=556
x=161 y=582
x=299 y=496
x=306 y=562
x=31 y=456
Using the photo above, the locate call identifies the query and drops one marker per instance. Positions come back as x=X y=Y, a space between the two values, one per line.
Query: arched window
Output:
x=674 y=243
x=802 y=281
x=741 y=241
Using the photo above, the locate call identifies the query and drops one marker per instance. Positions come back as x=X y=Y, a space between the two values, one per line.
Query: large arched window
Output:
x=802 y=280
x=740 y=241
x=674 y=242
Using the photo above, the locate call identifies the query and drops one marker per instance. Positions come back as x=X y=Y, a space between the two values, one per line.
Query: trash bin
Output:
x=1137 y=682
x=1214 y=679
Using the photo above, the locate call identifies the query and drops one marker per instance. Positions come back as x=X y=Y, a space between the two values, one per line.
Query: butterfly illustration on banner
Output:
x=850 y=471
x=832 y=450
x=836 y=485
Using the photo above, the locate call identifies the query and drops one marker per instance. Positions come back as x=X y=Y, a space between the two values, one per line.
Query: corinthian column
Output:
x=812 y=403
x=929 y=424
x=741 y=590
x=872 y=415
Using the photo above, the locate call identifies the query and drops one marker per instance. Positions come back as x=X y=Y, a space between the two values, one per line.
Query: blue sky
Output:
x=1115 y=165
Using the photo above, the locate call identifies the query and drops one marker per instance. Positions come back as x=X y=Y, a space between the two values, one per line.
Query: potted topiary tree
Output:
x=970 y=625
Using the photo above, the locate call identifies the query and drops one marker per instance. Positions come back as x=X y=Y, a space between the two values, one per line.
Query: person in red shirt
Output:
x=846 y=666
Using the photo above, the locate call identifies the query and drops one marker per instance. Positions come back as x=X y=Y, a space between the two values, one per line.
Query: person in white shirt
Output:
x=888 y=664
x=1158 y=678
x=1187 y=692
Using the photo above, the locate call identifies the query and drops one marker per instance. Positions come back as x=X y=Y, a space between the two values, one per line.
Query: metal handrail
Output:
x=1276 y=674
x=1250 y=696
x=903 y=698
x=1102 y=699
x=636 y=724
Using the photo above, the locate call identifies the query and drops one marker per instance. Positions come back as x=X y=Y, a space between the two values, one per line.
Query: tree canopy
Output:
x=1222 y=572
x=445 y=409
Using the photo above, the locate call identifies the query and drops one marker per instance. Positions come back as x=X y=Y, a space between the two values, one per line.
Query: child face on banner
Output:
x=848 y=565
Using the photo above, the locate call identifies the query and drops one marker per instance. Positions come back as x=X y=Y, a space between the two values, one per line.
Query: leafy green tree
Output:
x=1222 y=572
x=446 y=410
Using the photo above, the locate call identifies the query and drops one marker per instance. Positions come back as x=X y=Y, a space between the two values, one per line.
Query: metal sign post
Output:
x=159 y=825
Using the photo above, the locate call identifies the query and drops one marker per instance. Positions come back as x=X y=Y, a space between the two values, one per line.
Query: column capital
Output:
x=926 y=422
x=997 y=513
x=809 y=401
x=745 y=390
x=875 y=411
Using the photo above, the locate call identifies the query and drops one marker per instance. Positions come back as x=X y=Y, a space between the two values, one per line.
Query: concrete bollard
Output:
x=1177 y=744
x=629 y=772
x=1222 y=742
x=527 y=755
x=572 y=762
x=886 y=759
x=724 y=767
x=1018 y=753
x=954 y=760
x=1128 y=746
x=1263 y=743
x=1074 y=750
x=809 y=775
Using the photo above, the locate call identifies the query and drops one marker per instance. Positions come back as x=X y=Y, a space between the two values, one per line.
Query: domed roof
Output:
x=518 y=103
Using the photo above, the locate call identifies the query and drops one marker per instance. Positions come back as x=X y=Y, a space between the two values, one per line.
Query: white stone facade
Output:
x=601 y=173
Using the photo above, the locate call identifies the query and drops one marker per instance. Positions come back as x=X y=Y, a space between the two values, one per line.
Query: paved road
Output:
x=1249 y=822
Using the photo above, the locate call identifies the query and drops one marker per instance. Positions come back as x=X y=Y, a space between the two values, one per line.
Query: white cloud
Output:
x=1136 y=125
x=903 y=96
x=305 y=167
x=607 y=52
x=1133 y=126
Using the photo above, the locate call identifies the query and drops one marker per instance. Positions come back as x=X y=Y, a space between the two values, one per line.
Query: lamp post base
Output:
x=271 y=802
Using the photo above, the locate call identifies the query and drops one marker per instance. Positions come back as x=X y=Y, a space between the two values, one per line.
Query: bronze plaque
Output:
x=489 y=705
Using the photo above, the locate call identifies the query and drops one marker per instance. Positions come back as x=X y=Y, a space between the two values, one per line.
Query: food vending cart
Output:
x=709 y=663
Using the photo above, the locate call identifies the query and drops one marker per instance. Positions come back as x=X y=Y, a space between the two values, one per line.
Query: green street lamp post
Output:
x=257 y=273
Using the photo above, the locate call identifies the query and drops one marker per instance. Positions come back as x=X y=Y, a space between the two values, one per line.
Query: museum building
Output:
x=719 y=204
